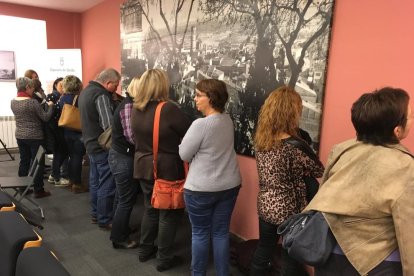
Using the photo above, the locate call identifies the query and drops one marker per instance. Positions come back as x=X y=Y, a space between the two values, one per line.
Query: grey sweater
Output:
x=209 y=147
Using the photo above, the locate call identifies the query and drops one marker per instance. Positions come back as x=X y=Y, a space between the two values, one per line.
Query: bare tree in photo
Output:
x=255 y=18
x=151 y=48
x=173 y=42
x=292 y=23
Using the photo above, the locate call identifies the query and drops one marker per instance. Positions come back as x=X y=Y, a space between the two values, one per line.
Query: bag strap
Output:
x=155 y=136
x=74 y=100
x=303 y=146
x=155 y=139
x=292 y=220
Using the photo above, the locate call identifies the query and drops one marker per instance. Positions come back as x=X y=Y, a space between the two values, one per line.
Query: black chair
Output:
x=25 y=183
x=15 y=235
x=6 y=204
x=39 y=261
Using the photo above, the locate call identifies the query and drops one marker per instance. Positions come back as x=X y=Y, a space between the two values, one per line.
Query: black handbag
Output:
x=312 y=184
x=307 y=238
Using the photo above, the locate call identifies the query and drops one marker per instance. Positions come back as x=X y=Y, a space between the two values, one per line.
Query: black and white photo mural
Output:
x=254 y=46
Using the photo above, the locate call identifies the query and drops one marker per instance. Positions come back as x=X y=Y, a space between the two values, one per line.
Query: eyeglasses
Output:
x=199 y=95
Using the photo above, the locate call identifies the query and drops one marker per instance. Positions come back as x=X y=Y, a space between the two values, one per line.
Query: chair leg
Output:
x=37 y=206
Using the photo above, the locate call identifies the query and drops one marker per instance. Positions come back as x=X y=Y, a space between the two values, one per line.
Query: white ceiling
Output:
x=63 y=5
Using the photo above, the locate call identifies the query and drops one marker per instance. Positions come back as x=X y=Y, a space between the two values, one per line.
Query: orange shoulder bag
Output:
x=166 y=194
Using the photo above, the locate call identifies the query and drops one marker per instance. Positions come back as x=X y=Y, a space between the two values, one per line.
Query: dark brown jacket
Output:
x=173 y=126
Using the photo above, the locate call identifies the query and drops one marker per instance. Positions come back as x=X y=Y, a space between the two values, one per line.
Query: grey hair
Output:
x=72 y=84
x=109 y=74
x=22 y=83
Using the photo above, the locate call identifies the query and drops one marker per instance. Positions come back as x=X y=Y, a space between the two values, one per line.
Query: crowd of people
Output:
x=365 y=192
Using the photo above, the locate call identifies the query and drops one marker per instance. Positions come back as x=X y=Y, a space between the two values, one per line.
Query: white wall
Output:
x=27 y=38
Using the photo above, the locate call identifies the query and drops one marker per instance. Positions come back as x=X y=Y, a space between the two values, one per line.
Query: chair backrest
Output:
x=39 y=261
x=15 y=232
x=6 y=204
x=40 y=155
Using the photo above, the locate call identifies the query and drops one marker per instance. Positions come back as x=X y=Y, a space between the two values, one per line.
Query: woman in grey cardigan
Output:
x=29 y=116
x=213 y=181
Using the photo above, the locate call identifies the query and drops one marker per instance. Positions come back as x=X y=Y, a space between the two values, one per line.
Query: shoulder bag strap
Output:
x=300 y=144
x=74 y=100
x=155 y=136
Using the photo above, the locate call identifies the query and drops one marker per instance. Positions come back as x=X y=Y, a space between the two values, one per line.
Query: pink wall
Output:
x=371 y=47
x=101 y=46
x=63 y=28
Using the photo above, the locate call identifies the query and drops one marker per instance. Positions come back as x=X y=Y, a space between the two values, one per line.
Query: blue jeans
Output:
x=76 y=151
x=122 y=168
x=210 y=215
x=101 y=188
x=28 y=150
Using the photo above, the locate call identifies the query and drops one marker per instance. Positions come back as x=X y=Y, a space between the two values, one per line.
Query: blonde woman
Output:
x=153 y=88
x=121 y=162
x=281 y=167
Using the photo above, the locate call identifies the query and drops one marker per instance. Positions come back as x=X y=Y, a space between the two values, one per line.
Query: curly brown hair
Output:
x=279 y=114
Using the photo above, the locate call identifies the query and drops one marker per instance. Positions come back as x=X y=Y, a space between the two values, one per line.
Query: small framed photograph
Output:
x=7 y=66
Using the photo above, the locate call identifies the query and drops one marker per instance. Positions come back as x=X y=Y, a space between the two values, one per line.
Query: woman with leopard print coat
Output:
x=281 y=167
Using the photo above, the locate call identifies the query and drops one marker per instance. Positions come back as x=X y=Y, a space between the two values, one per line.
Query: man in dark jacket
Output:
x=96 y=108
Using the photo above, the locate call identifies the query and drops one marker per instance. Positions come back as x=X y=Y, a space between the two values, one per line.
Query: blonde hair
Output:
x=152 y=86
x=279 y=114
x=133 y=86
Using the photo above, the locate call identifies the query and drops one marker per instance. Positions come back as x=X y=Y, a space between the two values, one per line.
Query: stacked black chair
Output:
x=6 y=204
x=38 y=261
x=21 y=185
x=15 y=235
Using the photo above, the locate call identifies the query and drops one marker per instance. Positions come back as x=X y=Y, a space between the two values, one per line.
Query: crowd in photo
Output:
x=143 y=142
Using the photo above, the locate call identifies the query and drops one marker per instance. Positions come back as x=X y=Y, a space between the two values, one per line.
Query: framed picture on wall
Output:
x=253 y=46
x=7 y=66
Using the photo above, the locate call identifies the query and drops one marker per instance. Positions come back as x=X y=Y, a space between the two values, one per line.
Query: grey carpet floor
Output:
x=83 y=249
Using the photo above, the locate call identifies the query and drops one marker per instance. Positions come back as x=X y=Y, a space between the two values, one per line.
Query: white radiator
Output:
x=7 y=130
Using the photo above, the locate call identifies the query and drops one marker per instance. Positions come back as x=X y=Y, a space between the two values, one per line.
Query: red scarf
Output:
x=22 y=94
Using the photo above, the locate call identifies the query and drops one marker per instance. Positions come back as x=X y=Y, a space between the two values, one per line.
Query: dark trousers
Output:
x=28 y=149
x=76 y=151
x=157 y=223
x=122 y=168
x=60 y=153
x=268 y=239
x=338 y=265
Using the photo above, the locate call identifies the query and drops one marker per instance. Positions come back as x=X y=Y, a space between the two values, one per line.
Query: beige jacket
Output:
x=367 y=197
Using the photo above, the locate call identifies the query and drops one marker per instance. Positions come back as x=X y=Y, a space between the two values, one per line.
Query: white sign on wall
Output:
x=60 y=63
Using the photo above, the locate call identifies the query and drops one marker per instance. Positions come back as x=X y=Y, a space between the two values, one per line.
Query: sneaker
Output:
x=61 y=182
x=51 y=179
